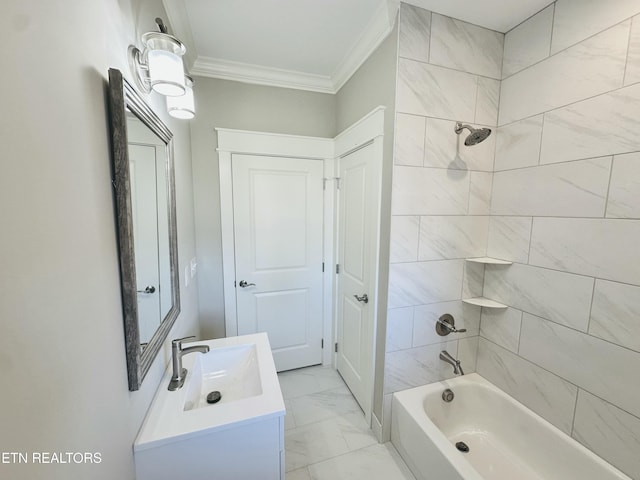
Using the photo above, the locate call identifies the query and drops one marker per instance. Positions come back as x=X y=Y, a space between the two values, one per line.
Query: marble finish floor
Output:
x=326 y=436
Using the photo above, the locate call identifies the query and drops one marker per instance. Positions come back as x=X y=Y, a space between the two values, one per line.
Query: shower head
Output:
x=476 y=136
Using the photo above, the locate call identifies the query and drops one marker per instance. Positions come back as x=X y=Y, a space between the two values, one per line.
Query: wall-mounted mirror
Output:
x=143 y=178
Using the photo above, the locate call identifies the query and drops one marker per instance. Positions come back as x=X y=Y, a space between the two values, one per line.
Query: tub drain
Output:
x=463 y=447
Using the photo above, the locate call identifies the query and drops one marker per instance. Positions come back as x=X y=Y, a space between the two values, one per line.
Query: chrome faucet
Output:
x=457 y=368
x=177 y=352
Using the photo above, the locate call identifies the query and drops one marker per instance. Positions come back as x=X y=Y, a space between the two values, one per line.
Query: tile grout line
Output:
x=430 y=37
x=513 y=215
x=626 y=60
x=606 y=200
x=505 y=170
x=520 y=332
x=425 y=133
x=528 y=117
x=593 y=294
x=513 y=262
x=575 y=330
x=342 y=455
x=573 y=45
x=560 y=377
x=533 y=219
x=553 y=25
x=544 y=115
x=575 y=408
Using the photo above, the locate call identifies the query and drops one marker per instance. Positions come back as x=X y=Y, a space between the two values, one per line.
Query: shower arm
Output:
x=460 y=126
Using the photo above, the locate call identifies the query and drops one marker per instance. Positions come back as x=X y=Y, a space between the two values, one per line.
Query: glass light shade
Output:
x=166 y=72
x=183 y=107
x=163 y=56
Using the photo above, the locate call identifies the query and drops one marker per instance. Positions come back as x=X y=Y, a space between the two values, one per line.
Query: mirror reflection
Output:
x=150 y=217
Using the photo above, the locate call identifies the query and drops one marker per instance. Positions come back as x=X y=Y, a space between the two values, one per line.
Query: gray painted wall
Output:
x=226 y=104
x=61 y=335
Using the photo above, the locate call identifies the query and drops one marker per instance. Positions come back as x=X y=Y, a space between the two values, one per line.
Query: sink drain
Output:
x=463 y=447
x=214 y=397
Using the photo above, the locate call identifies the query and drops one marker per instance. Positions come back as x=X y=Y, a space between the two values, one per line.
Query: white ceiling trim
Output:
x=180 y=27
x=377 y=30
x=259 y=75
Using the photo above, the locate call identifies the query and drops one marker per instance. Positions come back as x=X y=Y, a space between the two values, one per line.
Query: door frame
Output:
x=368 y=130
x=232 y=142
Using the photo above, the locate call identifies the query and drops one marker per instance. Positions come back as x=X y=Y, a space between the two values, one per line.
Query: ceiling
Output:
x=308 y=44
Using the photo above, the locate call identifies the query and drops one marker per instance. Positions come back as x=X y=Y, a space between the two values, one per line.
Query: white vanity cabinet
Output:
x=254 y=451
x=241 y=437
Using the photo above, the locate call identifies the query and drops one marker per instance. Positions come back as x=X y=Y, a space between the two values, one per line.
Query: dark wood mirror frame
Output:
x=123 y=97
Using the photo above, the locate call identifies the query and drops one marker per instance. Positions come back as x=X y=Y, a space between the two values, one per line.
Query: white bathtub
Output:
x=506 y=440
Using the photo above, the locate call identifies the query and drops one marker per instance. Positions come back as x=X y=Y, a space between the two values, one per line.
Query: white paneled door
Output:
x=278 y=230
x=357 y=245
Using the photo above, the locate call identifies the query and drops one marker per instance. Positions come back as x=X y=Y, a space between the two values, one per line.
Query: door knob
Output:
x=244 y=284
x=148 y=289
x=364 y=298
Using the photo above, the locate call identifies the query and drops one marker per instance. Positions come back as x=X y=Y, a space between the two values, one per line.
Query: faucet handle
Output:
x=446 y=325
x=178 y=341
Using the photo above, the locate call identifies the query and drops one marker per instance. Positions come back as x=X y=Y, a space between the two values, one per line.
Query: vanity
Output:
x=239 y=437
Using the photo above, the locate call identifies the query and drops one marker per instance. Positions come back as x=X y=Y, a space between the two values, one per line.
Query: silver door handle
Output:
x=244 y=284
x=364 y=298
x=148 y=289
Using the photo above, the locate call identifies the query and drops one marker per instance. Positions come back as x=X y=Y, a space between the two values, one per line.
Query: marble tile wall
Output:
x=565 y=208
x=528 y=43
x=556 y=190
x=448 y=71
x=593 y=66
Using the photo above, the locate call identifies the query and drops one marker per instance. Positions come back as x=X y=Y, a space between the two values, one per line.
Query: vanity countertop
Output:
x=169 y=418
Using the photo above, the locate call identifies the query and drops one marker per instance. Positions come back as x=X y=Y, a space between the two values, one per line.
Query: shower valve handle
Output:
x=446 y=325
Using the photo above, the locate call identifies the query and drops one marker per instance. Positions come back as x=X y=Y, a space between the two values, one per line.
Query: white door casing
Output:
x=369 y=130
x=278 y=217
x=234 y=142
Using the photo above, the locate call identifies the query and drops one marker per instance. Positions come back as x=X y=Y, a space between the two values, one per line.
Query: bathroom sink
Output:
x=243 y=371
x=232 y=371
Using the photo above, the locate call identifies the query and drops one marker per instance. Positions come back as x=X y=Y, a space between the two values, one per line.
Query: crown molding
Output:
x=377 y=30
x=181 y=28
x=374 y=34
x=260 y=75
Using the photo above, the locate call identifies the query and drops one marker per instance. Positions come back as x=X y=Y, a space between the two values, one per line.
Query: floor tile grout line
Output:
x=365 y=431
x=342 y=455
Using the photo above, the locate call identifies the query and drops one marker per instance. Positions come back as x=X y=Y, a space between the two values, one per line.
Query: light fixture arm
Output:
x=161 y=26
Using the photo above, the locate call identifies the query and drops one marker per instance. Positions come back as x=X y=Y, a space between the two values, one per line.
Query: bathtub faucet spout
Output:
x=455 y=363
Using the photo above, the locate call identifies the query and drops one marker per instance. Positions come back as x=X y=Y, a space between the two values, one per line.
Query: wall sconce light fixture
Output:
x=183 y=107
x=159 y=67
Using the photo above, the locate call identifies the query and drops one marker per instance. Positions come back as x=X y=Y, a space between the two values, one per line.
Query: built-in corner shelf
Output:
x=483 y=302
x=489 y=261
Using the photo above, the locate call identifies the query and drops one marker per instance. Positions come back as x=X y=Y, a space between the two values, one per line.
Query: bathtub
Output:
x=506 y=440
